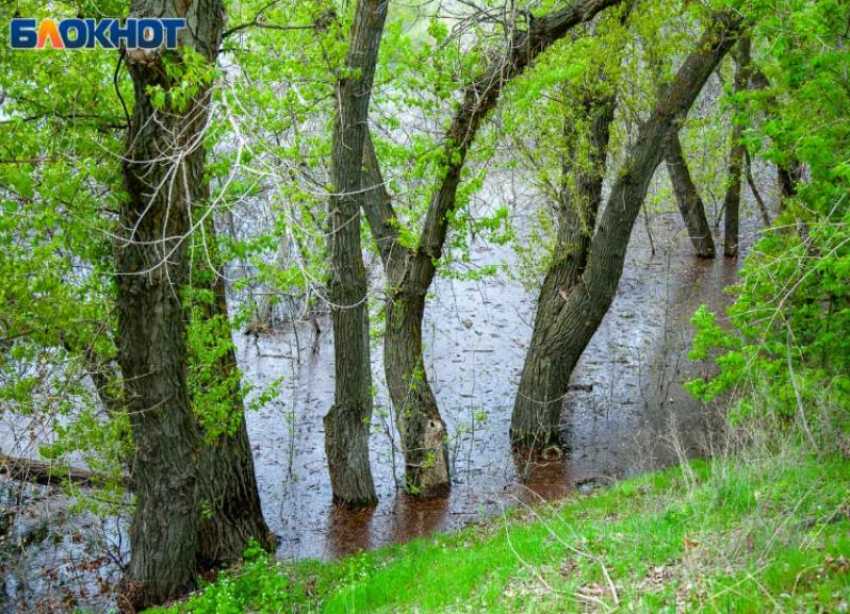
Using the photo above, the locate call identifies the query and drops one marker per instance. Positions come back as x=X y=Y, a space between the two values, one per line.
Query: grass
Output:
x=766 y=532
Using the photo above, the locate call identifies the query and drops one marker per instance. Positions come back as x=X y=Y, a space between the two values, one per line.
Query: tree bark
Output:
x=584 y=306
x=347 y=424
x=688 y=198
x=423 y=432
x=410 y=272
x=48 y=474
x=545 y=377
x=164 y=148
x=788 y=176
x=229 y=497
x=732 y=199
x=748 y=171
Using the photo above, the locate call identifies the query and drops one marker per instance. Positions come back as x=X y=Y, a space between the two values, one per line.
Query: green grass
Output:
x=754 y=534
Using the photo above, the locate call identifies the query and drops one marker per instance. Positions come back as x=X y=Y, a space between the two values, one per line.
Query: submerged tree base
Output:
x=707 y=532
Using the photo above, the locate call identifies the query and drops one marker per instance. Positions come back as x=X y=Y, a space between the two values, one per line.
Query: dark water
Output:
x=626 y=413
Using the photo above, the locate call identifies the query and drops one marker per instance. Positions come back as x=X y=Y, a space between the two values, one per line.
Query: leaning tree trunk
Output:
x=423 y=432
x=545 y=377
x=347 y=423
x=229 y=496
x=410 y=272
x=584 y=306
x=164 y=148
x=688 y=198
x=732 y=199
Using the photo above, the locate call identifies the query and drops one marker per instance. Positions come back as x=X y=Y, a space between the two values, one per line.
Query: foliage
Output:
x=260 y=585
x=58 y=191
x=790 y=323
x=674 y=541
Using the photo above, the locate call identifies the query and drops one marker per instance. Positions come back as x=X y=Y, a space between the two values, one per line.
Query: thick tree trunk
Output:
x=688 y=198
x=732 y=199
x=423 y=432
x=545 y=376
x=347 y=424
x=163 y=149
x=152 y=269
x=229 y=496
x=584 y=306
x=410 y=272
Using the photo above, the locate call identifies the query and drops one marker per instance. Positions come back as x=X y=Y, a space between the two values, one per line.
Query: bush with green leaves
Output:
x=790 y=323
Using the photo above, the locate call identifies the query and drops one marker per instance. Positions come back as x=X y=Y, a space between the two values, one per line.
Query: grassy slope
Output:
x=767 y=534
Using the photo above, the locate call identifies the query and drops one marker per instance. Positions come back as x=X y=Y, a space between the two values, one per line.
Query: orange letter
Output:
x=46 y=30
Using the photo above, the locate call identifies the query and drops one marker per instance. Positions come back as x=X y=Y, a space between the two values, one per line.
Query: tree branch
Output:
x=479 y=98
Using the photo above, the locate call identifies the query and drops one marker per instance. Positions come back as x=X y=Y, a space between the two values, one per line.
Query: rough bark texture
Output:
x=688 y=198
x=152 y=266
x=584 y=306
x=348 y=421
x=423 y=432
x=228 y=485
x=732 y=199
x=410 y=272
x=545 y=377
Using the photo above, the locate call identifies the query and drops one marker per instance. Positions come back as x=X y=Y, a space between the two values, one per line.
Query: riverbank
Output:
x=755 y=531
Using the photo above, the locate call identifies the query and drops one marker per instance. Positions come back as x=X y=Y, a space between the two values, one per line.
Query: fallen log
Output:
x=40 y=472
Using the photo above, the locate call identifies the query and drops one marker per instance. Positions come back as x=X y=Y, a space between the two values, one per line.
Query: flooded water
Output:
x=626 y=413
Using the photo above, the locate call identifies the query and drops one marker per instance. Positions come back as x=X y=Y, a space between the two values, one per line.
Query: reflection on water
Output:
x=626 y=411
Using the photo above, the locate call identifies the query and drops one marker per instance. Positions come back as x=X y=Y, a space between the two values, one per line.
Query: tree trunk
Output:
x=410 y=272
x=348 y=422
x=732 y=199
x=788 y=176
x=163 y=148
x=152 y=269
x=545 y=376
x=46 y=473
x=423 y=432
x=688 y=198
x=748 y=171
x=229 y=496
x=586 y=303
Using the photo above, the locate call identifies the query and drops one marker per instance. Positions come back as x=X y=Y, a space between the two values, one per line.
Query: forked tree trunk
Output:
x=584 y=306
x=348 y=422
x=732 y=199
x=152 y=270
x=545 y=377
x=410 y=272
x=423 y=432
x=688 y=199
